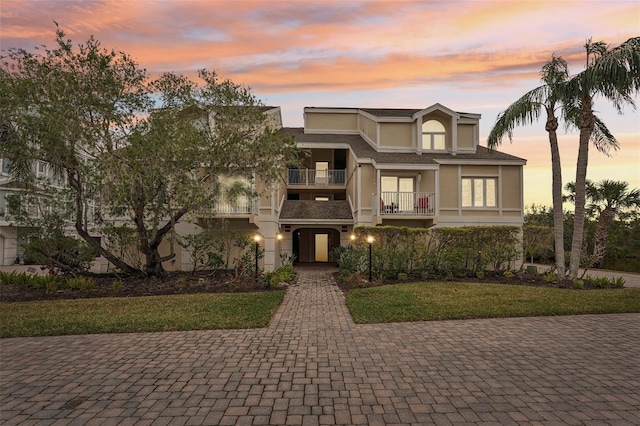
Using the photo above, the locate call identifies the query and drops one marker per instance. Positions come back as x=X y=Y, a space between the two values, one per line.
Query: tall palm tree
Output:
x=528 y=109
x=615 y=75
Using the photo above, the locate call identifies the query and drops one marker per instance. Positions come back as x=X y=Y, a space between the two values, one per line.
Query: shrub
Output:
x=117 y=286
x=282 y=274
x=550 y=277
x=579 y=284
x=80 y=283
x=618 y=282
x=403 y=276
x=508 y=274
x=600 y=282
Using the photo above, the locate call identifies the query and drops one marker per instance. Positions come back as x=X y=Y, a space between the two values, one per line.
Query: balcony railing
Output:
x=316 y=177
x=232 y=208
x=404 y=203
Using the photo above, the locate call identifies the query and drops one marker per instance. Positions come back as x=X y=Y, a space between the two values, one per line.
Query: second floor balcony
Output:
x=316 y=177
x=402 y=204
x=226 y=208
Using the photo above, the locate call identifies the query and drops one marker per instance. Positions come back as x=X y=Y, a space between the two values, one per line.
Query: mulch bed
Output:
x=519 y=278
x=172 y=283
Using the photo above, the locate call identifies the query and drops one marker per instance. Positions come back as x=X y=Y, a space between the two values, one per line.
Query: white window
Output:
x=397 y=193
x=5 y=165
x=41 y=169
x=322 y=172
x=479 y=192
x=433 y=135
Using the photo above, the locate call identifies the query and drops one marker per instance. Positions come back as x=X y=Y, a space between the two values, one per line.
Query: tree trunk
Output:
x=81 y=229
x=587 y=121
x=605 y=221
x=556 y=187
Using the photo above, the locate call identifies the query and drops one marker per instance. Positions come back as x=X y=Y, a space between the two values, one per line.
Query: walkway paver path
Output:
x=313 y=366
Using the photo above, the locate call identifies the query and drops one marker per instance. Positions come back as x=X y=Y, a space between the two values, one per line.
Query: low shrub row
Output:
x=51 y=283
x=399 y=252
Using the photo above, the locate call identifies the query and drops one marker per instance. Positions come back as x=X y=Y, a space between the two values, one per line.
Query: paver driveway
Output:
x=313 y=365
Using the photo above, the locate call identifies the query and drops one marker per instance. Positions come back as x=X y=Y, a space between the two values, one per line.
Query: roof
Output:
x=362 y=150
x=390 y=112
x=314 y=210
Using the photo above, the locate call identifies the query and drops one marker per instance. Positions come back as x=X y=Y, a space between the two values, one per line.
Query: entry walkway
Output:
x=313 y=365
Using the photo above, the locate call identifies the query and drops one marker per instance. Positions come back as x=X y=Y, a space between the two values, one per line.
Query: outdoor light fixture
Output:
x=279 y=237
x=353 y=237
x=370 y=241
x=256 y=238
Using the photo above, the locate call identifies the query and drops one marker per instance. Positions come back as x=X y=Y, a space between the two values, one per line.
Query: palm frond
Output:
x=524 y=111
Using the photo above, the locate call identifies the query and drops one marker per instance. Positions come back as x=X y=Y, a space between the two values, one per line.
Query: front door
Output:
x=322 y=248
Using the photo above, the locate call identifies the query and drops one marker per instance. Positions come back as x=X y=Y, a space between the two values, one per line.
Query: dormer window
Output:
x=433 y=135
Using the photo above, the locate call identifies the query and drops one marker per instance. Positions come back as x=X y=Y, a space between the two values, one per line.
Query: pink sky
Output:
x=472 y=56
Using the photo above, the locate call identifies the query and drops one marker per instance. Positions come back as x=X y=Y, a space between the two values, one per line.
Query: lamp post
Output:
x=279 y=238
x=370 y=241
x=257 y=240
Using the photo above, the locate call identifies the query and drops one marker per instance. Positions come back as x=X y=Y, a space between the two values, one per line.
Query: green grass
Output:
x=138 y=314
x=447 y=301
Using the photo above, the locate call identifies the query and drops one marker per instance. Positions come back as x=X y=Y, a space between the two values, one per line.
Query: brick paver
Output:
x=314 y=366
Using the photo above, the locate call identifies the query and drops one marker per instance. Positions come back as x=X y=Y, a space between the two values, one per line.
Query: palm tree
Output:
x=525 y=111
x=608 y=199
x=615 y=75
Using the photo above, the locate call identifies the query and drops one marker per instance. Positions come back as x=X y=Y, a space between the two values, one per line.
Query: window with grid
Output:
x=433 y=135
x=479 y=192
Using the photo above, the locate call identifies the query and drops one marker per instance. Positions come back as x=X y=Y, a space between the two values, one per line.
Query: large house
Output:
x=370 y=166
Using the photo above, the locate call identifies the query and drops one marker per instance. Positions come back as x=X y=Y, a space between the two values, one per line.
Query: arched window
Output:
x=433 y=135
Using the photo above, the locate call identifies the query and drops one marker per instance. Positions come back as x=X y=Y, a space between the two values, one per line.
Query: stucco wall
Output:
x=466 y=135
x=396 y=135
x=368 y=127
x=329 y=121
x=511 y=186
x=448 y=190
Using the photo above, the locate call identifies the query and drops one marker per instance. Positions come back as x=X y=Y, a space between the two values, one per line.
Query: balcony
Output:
x=404 y=205
x=231 y=208
x=312 y=177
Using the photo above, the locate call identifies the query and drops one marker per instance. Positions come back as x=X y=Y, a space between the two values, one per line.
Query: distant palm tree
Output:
x=607 y=200
x=615 y=75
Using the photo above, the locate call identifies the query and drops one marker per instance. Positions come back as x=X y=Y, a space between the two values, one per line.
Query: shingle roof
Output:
x=304 y=209
x=362 y=150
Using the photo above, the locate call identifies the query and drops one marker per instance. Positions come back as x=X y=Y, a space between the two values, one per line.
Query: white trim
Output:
x=319 y=145
x=436 y=107
x=405 y=166
x=313 y=131
x=331 y=110
x=481 y=162
x=478 y=220
x=328 y=222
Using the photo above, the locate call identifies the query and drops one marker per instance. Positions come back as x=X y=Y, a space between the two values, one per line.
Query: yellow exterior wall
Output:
x=369 y=128
x=396 y=134
x=511 y=185
x=427 y=181
x=368 y=175
x=466 y=134
x=480 y=171
x=329 y=121
x=448 y=186
x=481 y=213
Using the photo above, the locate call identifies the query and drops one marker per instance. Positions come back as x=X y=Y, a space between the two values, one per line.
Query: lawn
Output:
x=446 y=301
x=138 y=314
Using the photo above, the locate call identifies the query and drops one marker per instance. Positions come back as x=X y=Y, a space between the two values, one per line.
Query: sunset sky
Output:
x=471 y=56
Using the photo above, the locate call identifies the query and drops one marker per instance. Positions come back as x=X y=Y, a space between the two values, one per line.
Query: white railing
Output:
x=316 y=177
x=231 y=208
x=404 y=203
